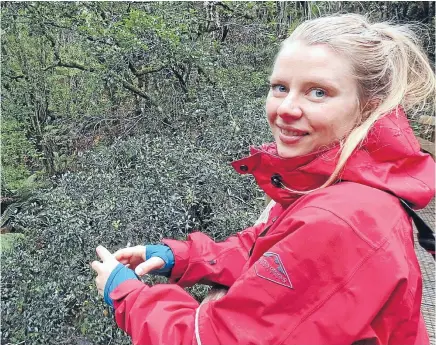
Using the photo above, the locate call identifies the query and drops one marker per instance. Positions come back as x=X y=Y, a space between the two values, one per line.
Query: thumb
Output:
x=103 y=253
x=154 y=263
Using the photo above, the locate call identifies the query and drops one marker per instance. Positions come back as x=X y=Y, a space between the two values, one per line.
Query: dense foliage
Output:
x=119 y=121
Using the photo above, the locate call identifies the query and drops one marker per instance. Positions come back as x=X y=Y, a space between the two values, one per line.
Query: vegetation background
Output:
x=119 y=120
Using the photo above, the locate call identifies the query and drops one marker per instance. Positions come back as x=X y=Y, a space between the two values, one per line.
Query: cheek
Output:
x=320 y=117
x=271 y=109
x=334 y=124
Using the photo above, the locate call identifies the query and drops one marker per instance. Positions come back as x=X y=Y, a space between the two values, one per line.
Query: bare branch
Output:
x=201 y=71
x=149 y=69
x=16 y=77
x=76 y=65
x=72 y=64
x=181 y=80
x=136 y=91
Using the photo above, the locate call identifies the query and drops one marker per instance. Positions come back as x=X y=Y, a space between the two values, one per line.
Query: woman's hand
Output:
x=103 y=269
x=134 y=257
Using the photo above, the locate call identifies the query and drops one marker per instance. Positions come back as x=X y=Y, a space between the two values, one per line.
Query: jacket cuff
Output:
x=126 y=288
x=119 y=275
x=180 y=250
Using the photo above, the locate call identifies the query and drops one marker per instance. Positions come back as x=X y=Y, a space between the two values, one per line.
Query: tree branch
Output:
x=58 y=60
x=201 y=71
x=144 y=70
x=127 y=85
x=72 y=64
x=136 y=91
x=149 y=69
x=132 y=67
x=76 y=65
x=16 y=77
x=181 y=80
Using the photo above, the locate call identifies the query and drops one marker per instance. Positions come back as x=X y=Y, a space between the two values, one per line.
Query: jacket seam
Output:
x=228 y=249
x=414 y=177
x=192 y=262
x=216 y=257
x=338 y=288
x=360 y=234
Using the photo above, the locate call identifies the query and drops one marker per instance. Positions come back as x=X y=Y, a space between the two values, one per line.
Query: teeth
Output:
x=292 y=133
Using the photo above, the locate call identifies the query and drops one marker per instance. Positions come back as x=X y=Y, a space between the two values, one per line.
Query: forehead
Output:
x=298 y=59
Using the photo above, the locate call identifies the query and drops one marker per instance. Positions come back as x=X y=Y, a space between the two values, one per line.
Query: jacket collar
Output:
x=389 y=159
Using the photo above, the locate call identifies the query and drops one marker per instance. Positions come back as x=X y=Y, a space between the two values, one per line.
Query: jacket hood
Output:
x=389 y=159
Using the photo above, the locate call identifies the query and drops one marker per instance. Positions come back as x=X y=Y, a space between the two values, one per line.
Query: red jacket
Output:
x=336 y=266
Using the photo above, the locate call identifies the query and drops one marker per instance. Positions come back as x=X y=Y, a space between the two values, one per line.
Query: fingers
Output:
x=151 y=264
x=97 y=266
x=103 y=253
x=125 y=255
x=99 y=285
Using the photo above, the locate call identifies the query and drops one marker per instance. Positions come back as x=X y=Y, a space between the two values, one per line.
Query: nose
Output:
x=289 y=109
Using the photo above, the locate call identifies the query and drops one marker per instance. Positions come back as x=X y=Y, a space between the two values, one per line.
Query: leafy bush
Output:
x=135 y=191
x=170 y=177
x=17 y=156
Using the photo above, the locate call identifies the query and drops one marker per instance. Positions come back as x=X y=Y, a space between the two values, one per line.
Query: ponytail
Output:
x=389 y=65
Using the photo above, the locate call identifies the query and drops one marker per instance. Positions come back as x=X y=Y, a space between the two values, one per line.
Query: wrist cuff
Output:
x=165 y=253
x=119 y=275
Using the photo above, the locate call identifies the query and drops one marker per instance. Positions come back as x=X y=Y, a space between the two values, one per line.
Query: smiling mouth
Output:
x=293 y=133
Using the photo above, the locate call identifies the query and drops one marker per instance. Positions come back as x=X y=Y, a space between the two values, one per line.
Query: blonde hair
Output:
x=389 y=65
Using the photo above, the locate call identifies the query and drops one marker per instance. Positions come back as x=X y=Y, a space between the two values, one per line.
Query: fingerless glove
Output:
x=165 y=253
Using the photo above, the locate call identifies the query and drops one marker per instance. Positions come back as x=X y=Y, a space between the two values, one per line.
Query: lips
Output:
x=291 y=135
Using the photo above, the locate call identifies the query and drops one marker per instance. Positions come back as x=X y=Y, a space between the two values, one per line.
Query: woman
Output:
x=335 y=262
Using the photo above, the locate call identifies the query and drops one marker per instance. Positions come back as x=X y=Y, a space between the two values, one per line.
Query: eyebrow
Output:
x=328 y=82
x=278 y=80
x=321 y=81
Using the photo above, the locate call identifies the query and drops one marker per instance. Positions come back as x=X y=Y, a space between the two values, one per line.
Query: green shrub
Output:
x=135 y=191
x=18 y=156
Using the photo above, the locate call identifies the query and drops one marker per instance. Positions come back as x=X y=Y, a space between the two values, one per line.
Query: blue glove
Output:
x=165 y=253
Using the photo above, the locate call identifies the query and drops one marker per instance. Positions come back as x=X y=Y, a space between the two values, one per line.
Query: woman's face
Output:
x=313 y=99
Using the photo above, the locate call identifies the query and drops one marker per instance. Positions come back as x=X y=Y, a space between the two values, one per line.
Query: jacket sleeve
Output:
x=200 y=259
x=320 y=284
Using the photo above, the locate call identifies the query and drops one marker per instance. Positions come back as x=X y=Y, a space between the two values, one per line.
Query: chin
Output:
x=287 y=153
x=290 y=152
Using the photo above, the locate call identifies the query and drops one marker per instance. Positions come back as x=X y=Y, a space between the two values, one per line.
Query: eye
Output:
x=317 y=93
x=278 y=88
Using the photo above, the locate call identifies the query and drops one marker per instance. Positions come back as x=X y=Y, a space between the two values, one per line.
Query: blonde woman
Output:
x=334 y=263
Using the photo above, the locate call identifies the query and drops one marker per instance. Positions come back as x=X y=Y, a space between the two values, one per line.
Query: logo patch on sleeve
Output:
x=270 y=267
